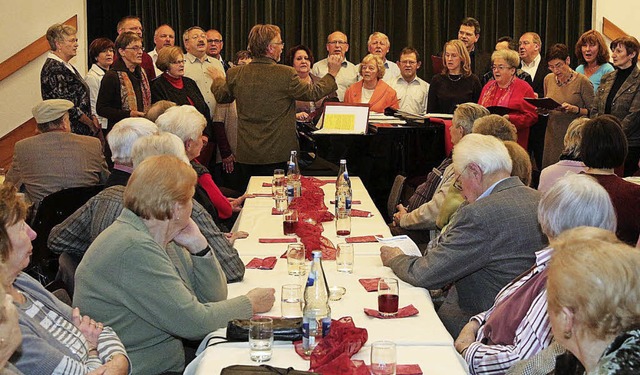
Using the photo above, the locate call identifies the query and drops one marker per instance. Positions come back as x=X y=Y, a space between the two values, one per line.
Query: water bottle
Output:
x=294 y=187
x=316 y=316
x=343 y=201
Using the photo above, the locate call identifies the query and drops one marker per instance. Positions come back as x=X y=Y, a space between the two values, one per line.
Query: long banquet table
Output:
x=421 y=339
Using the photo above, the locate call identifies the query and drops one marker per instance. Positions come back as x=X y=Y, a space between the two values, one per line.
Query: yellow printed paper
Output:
x=340 y=121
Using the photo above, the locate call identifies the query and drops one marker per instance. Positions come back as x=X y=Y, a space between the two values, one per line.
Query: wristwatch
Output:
x=203 y=252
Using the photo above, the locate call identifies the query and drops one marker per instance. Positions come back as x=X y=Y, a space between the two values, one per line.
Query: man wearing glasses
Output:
x=214 y=47
x=411 y=90
x=338 y=44
x=491 y=239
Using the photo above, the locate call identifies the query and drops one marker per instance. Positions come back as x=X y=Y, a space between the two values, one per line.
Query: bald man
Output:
x=164 y=36
x=338 y=44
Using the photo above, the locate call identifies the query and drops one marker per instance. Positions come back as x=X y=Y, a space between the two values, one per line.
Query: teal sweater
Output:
x=153 y=297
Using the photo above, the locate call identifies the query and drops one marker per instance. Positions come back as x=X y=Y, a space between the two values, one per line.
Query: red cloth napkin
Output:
x=352 y=202
x=360 y=213
x=262 y=264
x=274 y=211
x=370 y=285
x=363 y=239
x=267 y=184
x=333 y=354
x=278 y=240
x=405 y=369
x=402 y=313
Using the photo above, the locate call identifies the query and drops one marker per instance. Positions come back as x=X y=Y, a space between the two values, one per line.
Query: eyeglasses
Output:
x=556 y=66
x=337 y=43
x=178 y=62
x=278 y=43
x=136 y=49
x=500 y=67
x=408 y=62
x=196 y=37
x=216 y=41
x=457 y=183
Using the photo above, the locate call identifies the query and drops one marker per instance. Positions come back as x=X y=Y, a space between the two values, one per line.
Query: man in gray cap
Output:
x=56 y=159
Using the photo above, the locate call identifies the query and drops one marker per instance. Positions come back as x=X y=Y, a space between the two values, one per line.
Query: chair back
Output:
x=53 y=210
x=395 y=194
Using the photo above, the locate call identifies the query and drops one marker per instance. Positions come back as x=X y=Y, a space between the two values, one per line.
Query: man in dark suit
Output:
x=531 y=61
x=490 y=240
x=469 y=33
x=214 y=47
x=56 y=159
x=265 y=94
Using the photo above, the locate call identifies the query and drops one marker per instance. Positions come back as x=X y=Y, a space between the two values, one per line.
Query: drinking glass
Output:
x=291 y=301
x=277 y=183
x=388 y=296
x=295 y=259
x=344 y=258
x=260 y=338
x=383 y=358
x=290 y=222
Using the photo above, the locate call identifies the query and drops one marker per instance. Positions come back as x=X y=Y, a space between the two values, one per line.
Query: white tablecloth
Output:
x=421 y=339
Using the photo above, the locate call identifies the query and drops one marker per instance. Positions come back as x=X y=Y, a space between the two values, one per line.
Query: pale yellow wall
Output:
x=21 y=23
x=624 y=13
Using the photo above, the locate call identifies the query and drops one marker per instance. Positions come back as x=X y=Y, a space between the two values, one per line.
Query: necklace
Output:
x=454 y=80
x=560 y=84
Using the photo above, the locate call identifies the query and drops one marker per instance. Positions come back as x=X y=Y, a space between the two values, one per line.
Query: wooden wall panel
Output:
x=9 y=140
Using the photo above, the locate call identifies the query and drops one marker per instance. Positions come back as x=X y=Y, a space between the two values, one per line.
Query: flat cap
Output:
x=51 y=109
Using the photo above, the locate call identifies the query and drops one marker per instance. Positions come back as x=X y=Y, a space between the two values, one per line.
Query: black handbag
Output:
x=283 y=329
x=262 y=369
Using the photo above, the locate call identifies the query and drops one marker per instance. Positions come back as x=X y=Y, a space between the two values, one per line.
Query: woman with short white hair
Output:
x=517 y=326
x=121 y=139
x=187 y=123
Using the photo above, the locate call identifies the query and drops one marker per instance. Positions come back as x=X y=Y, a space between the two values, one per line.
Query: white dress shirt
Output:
x=154 y=57
x=197 y=70
x=347 y=76
x=412 y=95
x=533 y=67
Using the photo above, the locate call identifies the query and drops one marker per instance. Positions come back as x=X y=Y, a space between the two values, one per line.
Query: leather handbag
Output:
x=284 y=329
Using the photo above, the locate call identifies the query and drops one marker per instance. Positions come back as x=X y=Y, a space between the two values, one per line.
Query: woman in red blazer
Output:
x=371 y=89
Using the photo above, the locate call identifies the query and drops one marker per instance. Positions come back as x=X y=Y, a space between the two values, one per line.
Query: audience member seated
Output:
x=573 y=91
x=593 y=56
x=55 y=338
x=9 y=329
x=371 y=89
x=301 y=59
x=157 y=109
x=517 y=326
x=187 y=123
x=456 y=84
x=101 y=57
x=411 y=90
x=121 y=139
x=570 y=160
x=424 y=206
x=78 y=231
x=60 y=80
x=521 y=162
x=56 y=159
x=594 y=304
x=497 y=126
x=619 y=95
x=508 y=92
x=603 y=148
x=124 y=91
x=337 y=44
x=490 y=240
x=153 y=259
